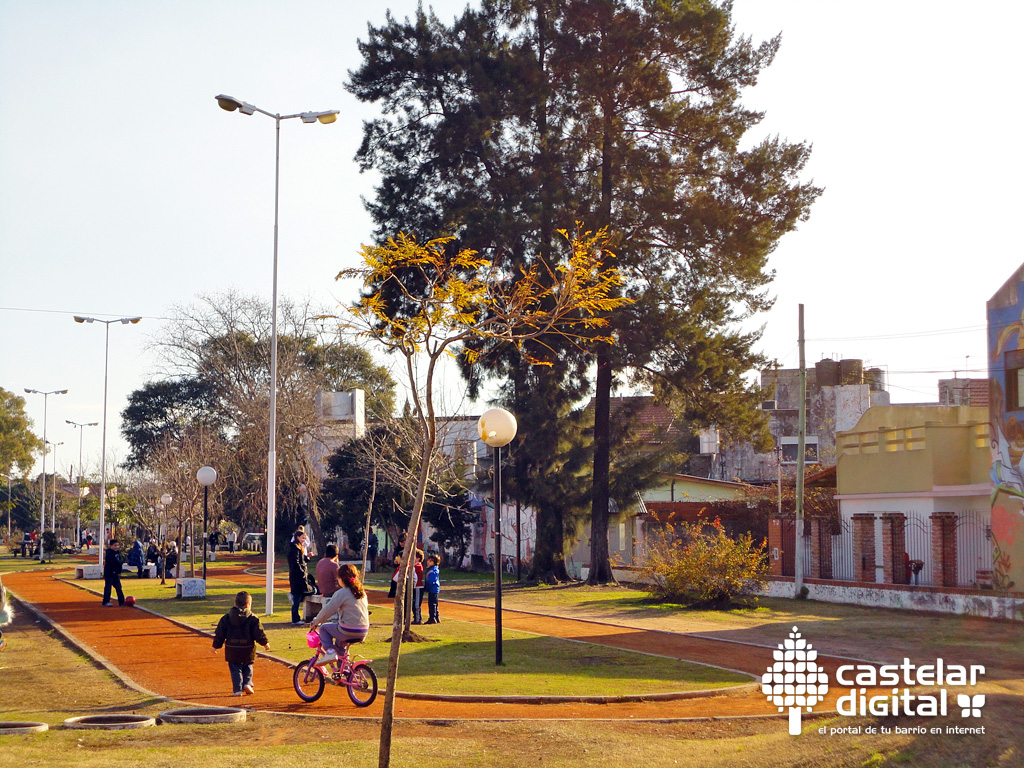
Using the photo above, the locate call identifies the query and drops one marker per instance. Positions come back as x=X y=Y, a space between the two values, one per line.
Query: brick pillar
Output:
x=775 y=546
x=815 y=548
x=821 y=549
x=864 y=547
x=894 y=548
x=944 y=549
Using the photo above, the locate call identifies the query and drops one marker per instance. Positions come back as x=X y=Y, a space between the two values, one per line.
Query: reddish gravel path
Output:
x=172 y=661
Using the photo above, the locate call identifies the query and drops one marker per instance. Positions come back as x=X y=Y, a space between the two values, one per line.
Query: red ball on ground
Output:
x=129 y=600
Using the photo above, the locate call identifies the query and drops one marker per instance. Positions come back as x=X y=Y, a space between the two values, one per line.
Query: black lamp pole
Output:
x=497 y=556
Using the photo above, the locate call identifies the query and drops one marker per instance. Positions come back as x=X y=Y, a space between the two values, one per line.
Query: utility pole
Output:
x=798 y=565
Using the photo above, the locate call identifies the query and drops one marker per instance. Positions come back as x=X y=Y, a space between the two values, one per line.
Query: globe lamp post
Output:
x=497 y=428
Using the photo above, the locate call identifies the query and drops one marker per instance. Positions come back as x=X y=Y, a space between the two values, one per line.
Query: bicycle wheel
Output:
x=308 y=681
x=362 y=686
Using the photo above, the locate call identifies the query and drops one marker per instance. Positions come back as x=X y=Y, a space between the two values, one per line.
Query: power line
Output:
x=66 y=311
x=908 y=335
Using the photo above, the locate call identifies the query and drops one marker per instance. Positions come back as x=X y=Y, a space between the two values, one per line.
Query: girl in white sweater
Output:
x=352 y=621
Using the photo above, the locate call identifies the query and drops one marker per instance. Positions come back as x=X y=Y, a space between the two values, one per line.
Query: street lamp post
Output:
x=103 y=451
x=53 y=490
x=42 y=499
x=165 y=501
x=8 y=506
x=81 y=434
x=231 y=104
x=497 y=428
x=206 y=476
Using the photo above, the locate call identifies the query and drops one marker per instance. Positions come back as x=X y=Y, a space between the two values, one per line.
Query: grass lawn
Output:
x=42 y=679
x=877 y=634
x=459 y=657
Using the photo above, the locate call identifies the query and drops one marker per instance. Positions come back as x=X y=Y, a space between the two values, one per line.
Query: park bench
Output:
x=88 y=571
x=189 y=588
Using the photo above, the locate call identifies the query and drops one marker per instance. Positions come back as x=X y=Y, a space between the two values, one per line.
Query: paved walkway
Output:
x=169 y=660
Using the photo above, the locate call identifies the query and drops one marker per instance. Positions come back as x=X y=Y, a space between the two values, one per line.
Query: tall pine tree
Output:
x=526 y=116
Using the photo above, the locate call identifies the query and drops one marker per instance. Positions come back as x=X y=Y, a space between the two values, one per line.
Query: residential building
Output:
x=838 y=393
x=913 y=492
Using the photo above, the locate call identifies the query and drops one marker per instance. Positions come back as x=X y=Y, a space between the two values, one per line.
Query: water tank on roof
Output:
x=875 y=378
x=827 y=373
x=851 y=371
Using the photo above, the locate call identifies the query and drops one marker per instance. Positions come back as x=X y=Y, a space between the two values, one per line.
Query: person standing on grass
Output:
x=433 y=580
x=417 y=590
x=298 y=571
x=113 y=561
x=238 y=631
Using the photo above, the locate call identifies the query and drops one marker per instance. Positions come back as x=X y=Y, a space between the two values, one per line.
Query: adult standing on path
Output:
x=113 y=560
x=298 y=570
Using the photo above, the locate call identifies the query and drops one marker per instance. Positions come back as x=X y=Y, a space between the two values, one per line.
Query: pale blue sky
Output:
x=125 y=190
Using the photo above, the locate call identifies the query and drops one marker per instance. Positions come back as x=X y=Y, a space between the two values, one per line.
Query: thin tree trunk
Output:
x=600 y=566
x=369 y=514
x=398 y=626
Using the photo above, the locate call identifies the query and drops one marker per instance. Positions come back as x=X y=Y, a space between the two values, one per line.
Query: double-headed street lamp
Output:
x=103 y=451
x=232 y=104
x=497 y=428
x=81 y=433
x=42 y=501
x=53 y=491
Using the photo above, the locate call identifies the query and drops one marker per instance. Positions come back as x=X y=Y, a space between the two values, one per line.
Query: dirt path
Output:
x=167 y=659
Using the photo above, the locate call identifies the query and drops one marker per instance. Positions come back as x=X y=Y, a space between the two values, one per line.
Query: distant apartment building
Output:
x=839 y=392
x=972 y=392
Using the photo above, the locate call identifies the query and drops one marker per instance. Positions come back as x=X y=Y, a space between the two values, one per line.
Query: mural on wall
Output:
x=482 y=544
x=1006 y=416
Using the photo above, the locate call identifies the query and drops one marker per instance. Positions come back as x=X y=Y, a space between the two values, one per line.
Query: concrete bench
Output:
x=189 y=588
x=88 y=572
x=312 y=605
x=148 y=568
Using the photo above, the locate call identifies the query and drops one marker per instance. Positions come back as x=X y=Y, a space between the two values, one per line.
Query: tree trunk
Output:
x=398 y=626
x=549 y=549
x=600 y=566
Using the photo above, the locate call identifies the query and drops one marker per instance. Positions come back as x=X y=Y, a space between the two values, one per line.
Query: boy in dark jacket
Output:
x=238 y=631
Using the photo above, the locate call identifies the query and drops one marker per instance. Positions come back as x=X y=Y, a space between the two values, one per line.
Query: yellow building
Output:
x=913 y=489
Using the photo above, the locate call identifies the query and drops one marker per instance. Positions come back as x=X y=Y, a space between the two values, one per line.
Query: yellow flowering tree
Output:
x=427 y=301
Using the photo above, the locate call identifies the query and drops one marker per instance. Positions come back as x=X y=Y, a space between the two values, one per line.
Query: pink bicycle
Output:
x=357 y=677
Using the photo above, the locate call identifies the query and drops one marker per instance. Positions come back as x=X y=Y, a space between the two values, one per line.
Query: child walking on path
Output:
x=433 y=580
x=238 y=631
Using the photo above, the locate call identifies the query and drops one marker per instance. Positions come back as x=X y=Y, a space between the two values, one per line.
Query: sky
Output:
x=125 y=191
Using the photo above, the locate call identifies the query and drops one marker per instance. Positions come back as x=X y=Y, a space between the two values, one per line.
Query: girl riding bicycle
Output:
x=353 y=616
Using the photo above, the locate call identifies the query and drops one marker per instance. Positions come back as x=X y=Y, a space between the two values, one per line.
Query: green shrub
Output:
x=701 y=563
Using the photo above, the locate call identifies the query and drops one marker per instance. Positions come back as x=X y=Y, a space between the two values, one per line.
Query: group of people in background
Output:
x=427 y=582
x=343 y=619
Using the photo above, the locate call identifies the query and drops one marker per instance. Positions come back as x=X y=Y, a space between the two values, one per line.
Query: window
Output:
x=1014 y=363
x=790 y=446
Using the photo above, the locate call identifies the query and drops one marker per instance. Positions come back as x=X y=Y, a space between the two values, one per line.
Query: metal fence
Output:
x=973 y=541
